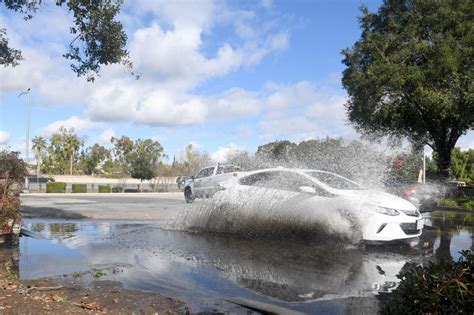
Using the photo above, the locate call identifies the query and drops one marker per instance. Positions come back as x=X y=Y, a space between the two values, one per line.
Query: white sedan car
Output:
x=308 y=198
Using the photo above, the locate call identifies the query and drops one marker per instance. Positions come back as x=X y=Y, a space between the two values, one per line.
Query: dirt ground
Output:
x=70 y=294
x=47 y=296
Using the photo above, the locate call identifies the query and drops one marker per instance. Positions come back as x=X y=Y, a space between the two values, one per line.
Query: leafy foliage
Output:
x=462 y=202
x=62 y=153
x=104 y=189
x=410 y=74
x=8 y=56
x=144 y=159
x=440 y=288
x=102 y=36
x=122 y=148
x=463 y=164
x=99 y=39
x=92 y=157
x=12 y=175
x=55 y=187
x=79 y=188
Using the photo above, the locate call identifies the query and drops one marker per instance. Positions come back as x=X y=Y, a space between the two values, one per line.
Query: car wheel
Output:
x=188 y=195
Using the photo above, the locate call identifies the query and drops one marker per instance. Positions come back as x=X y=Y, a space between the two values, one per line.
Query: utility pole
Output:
x=27 y=144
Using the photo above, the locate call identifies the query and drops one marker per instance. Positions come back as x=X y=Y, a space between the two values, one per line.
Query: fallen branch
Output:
x=44 y=288
x=90 y=306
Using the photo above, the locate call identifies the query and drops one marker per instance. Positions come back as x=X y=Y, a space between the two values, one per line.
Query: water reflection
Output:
x=298 y=273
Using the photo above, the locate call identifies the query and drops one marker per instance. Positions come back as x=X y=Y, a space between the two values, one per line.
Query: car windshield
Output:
x=335 y=181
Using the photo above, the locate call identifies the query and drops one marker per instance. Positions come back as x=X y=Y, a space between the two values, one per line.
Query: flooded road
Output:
x=307 y=275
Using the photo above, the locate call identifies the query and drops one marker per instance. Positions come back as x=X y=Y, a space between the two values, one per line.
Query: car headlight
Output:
x=387 y=211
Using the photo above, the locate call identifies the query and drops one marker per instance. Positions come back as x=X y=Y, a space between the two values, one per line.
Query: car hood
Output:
x=377 y=198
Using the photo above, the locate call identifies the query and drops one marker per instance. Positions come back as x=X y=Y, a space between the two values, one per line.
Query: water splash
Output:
x=232 y=212
x=271 y=215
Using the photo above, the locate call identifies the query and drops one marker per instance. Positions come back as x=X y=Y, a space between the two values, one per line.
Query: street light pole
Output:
x=27 y=145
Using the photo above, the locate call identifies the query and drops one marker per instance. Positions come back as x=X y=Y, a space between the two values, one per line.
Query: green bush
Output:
x=79 y=188
x=440 y=288
x=462 y=202
x=56 y=187
x=447 y=202
x=104 y=189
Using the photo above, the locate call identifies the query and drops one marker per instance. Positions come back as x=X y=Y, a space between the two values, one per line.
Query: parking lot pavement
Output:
x=116 y=206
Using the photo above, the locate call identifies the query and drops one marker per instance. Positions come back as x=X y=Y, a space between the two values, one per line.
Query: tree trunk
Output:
x=70 y=167
x=444 y=162
x=443 y=148
x=141 y=185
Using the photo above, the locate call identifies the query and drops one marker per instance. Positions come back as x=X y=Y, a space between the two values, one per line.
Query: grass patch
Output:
x=462 y=202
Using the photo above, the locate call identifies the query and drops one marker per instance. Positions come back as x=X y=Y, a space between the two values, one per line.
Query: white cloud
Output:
x=163 y=109
x=75 y=122
x=170 y=51
x=115 y=102
x=224 y=151
x=234 y=103
x=4 y=137
x=303 y=110
x=104 y=137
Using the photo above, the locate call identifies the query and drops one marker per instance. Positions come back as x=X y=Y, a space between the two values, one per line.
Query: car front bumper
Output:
x=387 y=228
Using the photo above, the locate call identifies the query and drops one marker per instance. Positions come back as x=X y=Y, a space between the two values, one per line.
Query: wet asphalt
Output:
x=124 y=206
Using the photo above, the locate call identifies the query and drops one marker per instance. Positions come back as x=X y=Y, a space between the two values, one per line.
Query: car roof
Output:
x=295 y=170
x=302 y=172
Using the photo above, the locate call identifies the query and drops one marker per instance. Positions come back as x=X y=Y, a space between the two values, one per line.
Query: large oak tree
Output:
x=410 y=74
x=97 y=37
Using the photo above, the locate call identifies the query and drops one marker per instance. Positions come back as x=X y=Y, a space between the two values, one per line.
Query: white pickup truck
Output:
x=206 y=182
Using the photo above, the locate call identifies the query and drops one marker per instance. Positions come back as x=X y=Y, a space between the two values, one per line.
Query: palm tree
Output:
x=39 y=147
x=72 y=146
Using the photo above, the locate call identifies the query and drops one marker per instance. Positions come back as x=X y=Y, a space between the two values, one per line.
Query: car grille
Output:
x=411 y=213
x=409 y=228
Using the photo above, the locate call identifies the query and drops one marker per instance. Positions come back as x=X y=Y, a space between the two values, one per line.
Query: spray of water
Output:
x=273 y=213
x=270 y=213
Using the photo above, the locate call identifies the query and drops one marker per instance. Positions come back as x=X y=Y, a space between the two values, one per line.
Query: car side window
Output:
x=254 y=179
x=224 y=169
x=210 y=171
x=281 y=180
x=202 y=173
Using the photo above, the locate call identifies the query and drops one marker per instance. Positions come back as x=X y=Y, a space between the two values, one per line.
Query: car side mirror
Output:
x=307 y=189
x=193 y=177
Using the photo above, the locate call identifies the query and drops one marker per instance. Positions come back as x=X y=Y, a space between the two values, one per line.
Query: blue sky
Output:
x=223 y=75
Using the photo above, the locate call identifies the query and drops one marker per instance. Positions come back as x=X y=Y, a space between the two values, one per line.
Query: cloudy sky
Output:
x=220 y=74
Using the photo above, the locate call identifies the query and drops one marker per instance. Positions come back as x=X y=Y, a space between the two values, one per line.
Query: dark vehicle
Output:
x=39 y=179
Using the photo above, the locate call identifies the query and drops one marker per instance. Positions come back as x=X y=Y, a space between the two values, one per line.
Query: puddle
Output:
x=307 y=275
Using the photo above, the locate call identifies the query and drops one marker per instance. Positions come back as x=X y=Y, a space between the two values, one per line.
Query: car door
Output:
x=198 y=182
x=207 y=181
x=262 y=190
